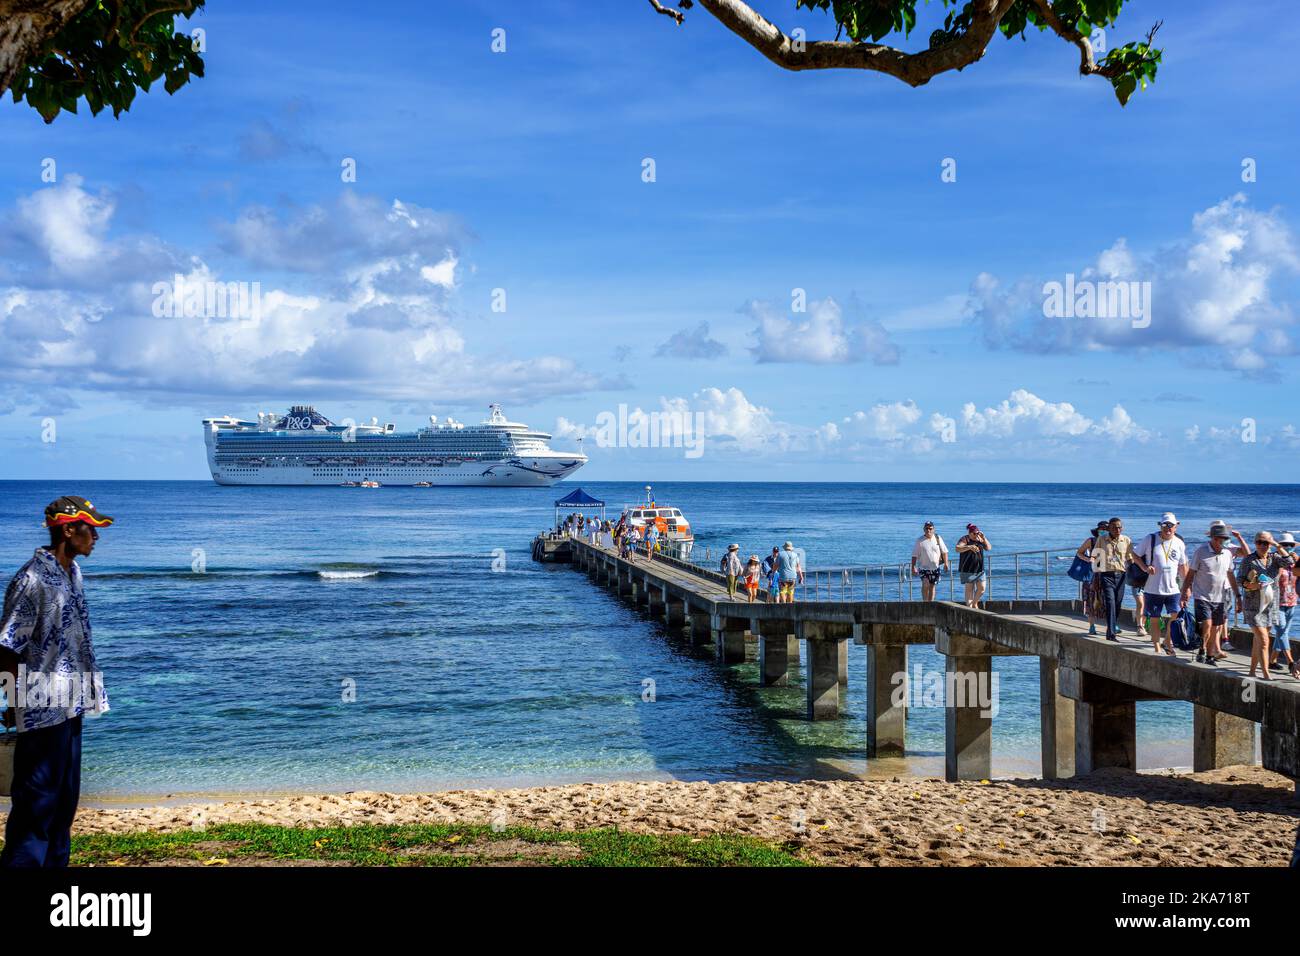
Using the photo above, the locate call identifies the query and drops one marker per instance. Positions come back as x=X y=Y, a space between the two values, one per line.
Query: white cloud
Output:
x=366 y=313
x=693 y=343
x=1215 y=287
x=822 y=338
x=885 y=422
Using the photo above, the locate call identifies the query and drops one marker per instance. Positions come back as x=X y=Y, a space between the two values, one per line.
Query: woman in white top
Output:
x=929 y=560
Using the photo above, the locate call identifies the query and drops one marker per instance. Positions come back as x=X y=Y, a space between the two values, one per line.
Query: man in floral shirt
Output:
x=50 y=679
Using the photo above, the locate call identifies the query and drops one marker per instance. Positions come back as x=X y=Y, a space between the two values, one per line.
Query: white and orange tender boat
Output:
x=675 y=536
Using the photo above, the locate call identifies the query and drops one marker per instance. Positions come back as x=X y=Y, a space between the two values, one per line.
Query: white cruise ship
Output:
x=303 y=447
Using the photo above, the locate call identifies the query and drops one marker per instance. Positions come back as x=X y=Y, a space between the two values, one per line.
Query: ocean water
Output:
x=232 y=622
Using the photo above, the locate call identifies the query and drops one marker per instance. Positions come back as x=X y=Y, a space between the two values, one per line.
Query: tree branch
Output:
x=668 y=11
x=26 y=26
x=1088 y=65
x=186 y=8
x=915 y=69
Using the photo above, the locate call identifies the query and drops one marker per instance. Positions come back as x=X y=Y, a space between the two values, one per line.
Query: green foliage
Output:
x=439 y=844
x=1127 y=67
x=107 y=52
x=1136 y=65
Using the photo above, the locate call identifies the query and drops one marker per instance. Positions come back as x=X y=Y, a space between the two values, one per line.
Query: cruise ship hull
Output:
x=498 y=475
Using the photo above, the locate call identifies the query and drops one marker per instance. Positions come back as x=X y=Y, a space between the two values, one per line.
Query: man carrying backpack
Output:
x=1162 y=557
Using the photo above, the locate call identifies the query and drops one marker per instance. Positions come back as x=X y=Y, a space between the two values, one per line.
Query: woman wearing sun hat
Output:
x=731 y=567
x=1286 y=591
x=1259 y=573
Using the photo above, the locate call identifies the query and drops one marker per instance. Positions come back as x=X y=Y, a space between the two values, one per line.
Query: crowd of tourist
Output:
x=1176 y=588
x=1171 y=582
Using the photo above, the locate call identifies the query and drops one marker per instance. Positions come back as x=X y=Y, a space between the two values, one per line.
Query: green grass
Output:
x=426 y=845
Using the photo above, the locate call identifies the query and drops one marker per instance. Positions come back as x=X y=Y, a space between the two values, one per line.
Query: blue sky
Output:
x=522 y=171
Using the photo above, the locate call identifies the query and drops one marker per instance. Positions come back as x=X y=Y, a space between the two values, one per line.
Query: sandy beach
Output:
x=1239 y=816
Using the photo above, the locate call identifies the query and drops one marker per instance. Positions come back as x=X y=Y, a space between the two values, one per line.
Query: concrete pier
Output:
x=1088 y=688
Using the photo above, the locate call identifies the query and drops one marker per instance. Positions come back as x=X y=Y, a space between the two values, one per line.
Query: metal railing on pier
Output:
x=1039 y=574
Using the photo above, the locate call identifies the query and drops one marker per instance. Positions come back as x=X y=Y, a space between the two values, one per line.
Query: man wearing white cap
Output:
x=1163 y=556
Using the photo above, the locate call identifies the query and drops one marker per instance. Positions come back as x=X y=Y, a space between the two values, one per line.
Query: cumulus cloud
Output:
x=365 y=310
x=1021 y=424
x=693 y=343
x=1215 y=288
x=822 y=337
x=731 y=424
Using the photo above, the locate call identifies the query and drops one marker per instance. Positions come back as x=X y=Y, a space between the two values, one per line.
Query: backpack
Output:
x=1182 y=631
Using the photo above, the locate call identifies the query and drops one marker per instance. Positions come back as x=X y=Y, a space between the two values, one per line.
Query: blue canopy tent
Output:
x=578 y=500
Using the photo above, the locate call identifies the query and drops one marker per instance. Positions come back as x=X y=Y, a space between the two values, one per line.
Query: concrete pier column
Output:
x=623 y=581
x=1105 y=735
x=823 y=680
x=729 y=638
x=1056 y=714
x=698 y=624
x=842 y=664
x=773 y=652
x=886 y=721
x=1220 y=740
x=792 y=651
x=968 y=723
x=654 y=599
x=1105 y=719
x=674 y=610
x=822 y=641
x=1280 y=742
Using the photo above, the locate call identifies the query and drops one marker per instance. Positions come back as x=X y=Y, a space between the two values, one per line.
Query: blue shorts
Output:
x=1160 y=605
x=1282 y=631
x=1212 y=611
x=972 y=577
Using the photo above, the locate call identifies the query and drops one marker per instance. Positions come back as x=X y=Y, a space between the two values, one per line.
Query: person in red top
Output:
x=1286 y=583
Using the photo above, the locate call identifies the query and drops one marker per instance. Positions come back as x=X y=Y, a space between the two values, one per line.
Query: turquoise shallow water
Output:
x=233 y=679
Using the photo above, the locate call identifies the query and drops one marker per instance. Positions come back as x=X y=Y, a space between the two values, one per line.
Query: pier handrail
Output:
x=1002 y=569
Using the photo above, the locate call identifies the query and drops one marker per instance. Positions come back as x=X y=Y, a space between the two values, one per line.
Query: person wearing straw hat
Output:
x=731 y=568
x=1209 y=583
x=1286 y=599
x=1162 y=557
x=50 y=680
x=1259 y=573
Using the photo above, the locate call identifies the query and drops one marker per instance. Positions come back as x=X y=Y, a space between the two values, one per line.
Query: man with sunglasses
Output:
x=47 y=664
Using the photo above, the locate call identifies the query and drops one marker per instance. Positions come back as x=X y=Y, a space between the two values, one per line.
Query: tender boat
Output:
x=675 y=536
